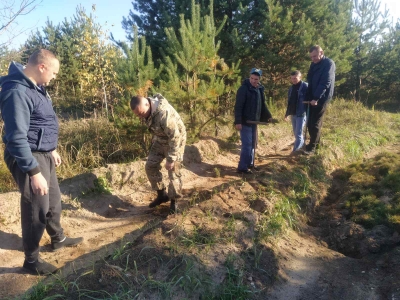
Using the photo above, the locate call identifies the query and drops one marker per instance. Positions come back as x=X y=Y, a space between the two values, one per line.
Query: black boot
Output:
x=162 y=197
x=67 y=242
x=39 y=267
x=173 y=208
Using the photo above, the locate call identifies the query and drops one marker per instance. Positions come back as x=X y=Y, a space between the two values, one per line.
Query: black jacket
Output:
x=246 y=104
x=30 y=122
x=321 y=81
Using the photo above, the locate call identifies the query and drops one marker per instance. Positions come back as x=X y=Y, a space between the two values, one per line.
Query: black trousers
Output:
x=314 y=124
x=38 y=213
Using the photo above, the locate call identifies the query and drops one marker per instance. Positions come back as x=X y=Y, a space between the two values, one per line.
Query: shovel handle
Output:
x=257 y=122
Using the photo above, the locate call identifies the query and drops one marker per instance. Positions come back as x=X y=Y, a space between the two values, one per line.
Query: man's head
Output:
x=316 y=54
x=295 y=76
x=255 y=75
x=140 y=106
x=42 y=67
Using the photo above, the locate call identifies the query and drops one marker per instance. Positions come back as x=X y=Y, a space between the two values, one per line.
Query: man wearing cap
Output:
x=250 y=106
x=321 y=82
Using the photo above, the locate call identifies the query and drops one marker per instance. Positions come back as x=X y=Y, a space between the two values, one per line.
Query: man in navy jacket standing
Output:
x=31 y=137
x=250 y=106
x=321 y=82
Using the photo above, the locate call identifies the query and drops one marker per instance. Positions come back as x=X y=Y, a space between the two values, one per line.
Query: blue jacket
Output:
x=300 y=107
x=30 y=122
x=246 y=104
x=321 y=81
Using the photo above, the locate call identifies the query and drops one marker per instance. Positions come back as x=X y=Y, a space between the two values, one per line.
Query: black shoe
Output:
x=67 y=242
x=244 y=171
x=311 y=152
x=251 y=167
x=162 y=197
x=39 y=267
x=173 y=208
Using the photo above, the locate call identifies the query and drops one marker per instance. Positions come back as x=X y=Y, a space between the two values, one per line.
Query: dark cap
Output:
x=256 y=71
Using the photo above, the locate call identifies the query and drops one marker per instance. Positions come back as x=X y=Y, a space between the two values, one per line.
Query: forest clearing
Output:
x=285 y=232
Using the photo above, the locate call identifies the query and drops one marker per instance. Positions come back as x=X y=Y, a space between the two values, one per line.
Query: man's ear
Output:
x=41 y=67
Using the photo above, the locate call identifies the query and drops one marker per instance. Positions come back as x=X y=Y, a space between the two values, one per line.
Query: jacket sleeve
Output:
x=170 y=124
x=288 y=100
x=239 y=105
x=265 y=113
x=16 y=109
x=327 y=77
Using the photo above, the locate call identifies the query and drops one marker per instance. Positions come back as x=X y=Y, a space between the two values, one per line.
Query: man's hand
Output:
x=287 y=118
x=169 y=165
x=238 y=127
x=39 y=185
x=56 y=157
x=314 y=102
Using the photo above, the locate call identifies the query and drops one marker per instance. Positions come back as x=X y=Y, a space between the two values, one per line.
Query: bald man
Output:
x=321 y=83
x=31 y=137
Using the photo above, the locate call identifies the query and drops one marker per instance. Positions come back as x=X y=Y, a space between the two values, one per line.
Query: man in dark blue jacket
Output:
x=31 y=136
x=250 y=106
x=296 y=109
x=321 y=82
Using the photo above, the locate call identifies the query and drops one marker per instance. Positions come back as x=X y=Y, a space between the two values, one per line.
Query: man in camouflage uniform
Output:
x=169 y=138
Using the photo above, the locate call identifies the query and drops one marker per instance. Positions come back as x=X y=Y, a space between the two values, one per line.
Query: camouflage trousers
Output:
x=158 y=152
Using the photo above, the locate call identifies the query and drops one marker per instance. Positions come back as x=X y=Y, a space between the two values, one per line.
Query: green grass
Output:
x=371 y=190
x=184 y=264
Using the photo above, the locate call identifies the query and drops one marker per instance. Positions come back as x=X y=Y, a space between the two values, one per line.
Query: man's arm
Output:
x=16 y=110
x=239 y=104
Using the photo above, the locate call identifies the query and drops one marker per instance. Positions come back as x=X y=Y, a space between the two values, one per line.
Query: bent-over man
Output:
x=169 y=139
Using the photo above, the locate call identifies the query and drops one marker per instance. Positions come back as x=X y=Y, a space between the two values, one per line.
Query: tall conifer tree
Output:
x=197 y=80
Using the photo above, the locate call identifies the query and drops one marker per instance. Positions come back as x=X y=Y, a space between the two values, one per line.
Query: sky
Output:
x=109 y=14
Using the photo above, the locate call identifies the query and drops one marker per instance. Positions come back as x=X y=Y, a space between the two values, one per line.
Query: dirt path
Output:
x=107 y=222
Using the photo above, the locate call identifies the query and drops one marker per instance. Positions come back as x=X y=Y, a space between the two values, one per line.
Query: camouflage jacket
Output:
x=167 y=127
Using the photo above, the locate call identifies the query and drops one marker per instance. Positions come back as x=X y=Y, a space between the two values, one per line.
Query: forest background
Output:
x=196 y=53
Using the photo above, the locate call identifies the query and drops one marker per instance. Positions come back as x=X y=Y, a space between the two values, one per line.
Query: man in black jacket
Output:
x=30 y=138
x=321 y=82
x=250 y=106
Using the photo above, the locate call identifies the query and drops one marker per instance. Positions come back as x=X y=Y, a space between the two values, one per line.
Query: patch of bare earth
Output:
x=215 y=233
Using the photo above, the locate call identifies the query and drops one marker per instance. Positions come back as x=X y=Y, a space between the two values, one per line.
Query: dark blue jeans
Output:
x=248 y=136
x=38 y=213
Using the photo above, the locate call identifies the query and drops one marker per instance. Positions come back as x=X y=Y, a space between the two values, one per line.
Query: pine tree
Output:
x=87 y=74
x=370 y=24
x=198 y=81
x=136 y=76
x=275 y=36
x=384 y=79
x=152 y=17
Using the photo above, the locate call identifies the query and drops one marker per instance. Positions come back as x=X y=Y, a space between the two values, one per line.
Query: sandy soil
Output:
x=308 y=269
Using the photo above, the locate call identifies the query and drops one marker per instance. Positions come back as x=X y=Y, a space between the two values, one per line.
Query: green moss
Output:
x=372 y=190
